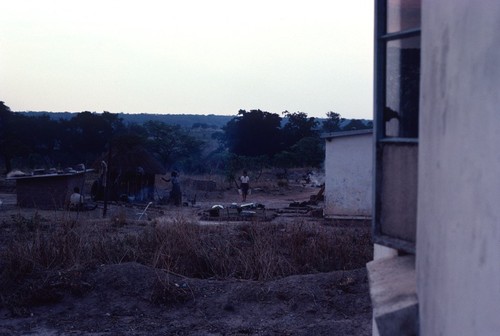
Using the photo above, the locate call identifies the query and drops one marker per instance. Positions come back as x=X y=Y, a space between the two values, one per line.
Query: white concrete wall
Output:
x=458 y=230
x=348 y=180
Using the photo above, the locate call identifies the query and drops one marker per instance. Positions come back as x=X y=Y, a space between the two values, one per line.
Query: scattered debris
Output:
x=303 y=204
x=320 y=195
x=215 y=210
x=144 y=211
x=16 y=173
x=237 y=212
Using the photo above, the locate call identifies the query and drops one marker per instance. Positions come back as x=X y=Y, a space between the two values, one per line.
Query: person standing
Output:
x=244 y=185
x=175 y=193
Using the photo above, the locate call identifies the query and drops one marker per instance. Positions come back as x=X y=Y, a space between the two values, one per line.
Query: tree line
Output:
x=252 y=139
x=184 y=120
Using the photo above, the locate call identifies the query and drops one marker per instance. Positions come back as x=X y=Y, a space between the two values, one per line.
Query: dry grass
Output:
x=48 y=253
x=249 y=251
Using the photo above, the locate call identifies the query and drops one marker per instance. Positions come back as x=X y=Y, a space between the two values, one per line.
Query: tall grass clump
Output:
x=256 y=250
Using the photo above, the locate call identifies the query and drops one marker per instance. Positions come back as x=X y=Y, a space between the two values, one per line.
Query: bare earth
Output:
x=124 y=299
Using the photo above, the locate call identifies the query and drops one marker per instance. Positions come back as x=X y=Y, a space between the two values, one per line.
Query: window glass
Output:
x=403 y=15
x=402 y=87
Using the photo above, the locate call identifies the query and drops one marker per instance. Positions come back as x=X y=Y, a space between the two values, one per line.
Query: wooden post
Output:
x=105 y=182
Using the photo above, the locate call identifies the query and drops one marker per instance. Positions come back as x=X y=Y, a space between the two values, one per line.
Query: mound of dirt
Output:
x=133 y=299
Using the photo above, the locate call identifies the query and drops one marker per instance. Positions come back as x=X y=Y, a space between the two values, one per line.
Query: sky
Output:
x=188 y=56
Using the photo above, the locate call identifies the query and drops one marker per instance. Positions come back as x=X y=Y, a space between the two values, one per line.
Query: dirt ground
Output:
x=126 y=299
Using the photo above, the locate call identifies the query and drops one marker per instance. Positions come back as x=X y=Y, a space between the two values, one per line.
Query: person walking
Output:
x=244 y=186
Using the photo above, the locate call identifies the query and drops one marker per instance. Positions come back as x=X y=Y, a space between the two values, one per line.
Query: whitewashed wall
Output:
x=348 y=180
x=458 y=230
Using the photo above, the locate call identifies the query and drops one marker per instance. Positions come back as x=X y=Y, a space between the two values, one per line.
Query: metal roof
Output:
x=30 y=176
x=346 y=133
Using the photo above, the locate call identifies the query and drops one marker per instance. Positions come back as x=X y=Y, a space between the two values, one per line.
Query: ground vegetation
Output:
x=170 y=272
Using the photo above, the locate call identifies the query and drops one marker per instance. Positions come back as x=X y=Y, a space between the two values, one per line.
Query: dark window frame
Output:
x=380 y=139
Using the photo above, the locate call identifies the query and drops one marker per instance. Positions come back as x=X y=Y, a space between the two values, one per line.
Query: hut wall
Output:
x=131 y=186
x=47 y=192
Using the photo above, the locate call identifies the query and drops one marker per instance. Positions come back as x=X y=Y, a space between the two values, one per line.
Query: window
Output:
x=397 y=79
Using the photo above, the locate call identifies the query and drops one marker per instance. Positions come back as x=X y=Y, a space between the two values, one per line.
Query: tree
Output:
x=5 y=135
x=41 y=136
x=298 y=126
x=253 y=133
x=17 y=136
x=171 y=144
x=309 y=152
x=357 y=124
x=87 y=134
x=284 y=160
x=332 y=123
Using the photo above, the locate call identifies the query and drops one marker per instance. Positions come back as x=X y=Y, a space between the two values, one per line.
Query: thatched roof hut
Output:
x=131 y=175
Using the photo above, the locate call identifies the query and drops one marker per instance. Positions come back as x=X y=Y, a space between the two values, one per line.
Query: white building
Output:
x=348 y=179
x=437 y=168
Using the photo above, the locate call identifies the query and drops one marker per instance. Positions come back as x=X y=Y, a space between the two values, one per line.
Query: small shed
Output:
x=131 y=175
x=47 y=191
x=348 y=173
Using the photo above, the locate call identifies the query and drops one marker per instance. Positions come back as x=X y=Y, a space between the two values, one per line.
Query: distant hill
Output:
x=184 y=120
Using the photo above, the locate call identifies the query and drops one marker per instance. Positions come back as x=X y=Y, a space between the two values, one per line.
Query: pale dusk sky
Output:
x=188 y=56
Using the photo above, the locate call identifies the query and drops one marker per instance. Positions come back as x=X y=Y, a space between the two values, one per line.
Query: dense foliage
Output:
x=292 y=141
x=30 y=142
x=253 y=133
x=252 y=139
